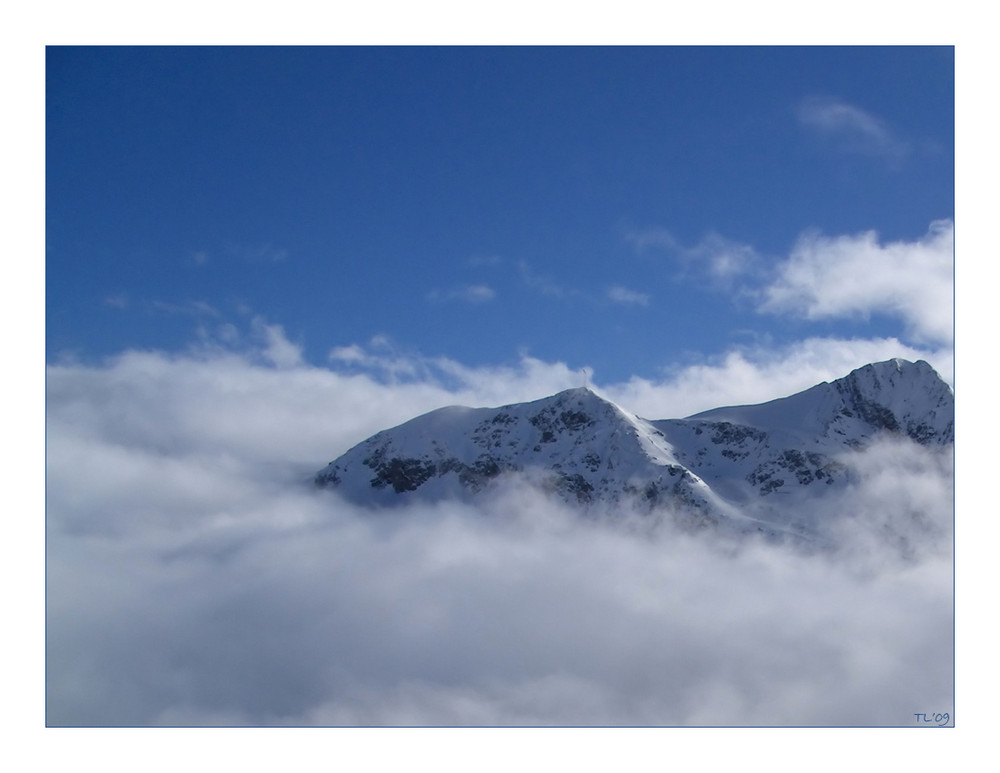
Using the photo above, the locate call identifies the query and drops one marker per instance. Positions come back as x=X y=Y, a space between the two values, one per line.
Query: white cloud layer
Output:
x=856 y=276
x=194 y=578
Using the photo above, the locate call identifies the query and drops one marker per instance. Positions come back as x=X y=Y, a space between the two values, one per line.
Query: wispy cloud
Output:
x=624 y=296
x=844 y=276
x=255 y=339
x=119 y=301
x=719 y=258
x=724 y=258
x=850 y=128
x=190 y=308
x=551 y=288
x=277 y=349
x=382 y=359
x=478 y=261
x=654 y=237
x=245 y=253
x=542 y=284
x=259 y=253
x=477 y=293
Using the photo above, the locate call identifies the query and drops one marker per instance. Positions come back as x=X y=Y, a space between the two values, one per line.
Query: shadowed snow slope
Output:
x=753 y=467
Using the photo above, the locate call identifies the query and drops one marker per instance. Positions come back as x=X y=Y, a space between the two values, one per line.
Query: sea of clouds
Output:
x=195 y=577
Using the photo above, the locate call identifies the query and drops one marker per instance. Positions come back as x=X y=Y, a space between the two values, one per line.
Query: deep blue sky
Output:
x=475 y=203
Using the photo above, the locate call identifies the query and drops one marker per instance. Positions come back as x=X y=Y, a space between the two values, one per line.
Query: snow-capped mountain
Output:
x=744 y=466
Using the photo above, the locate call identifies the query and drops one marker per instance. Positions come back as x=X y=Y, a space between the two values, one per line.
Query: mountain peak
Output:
x=574 y=443
x=897 y=365
x=580 y=391
x=717 y=466
x=896 y=396
x=902 y=397
x=583 y=393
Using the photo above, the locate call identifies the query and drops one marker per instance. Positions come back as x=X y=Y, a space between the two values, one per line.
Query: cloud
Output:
x=119 y=301
x=757 y=373
x=714 y=256
x=192 y=577
x=259 y=253
x=856 y=276
x=262 y=342
x=265 y=253
x=188 y=309
x=479 y=261
x=852 y=129
x=277 y=350
x=901 y=498
x=743 y=374
x=654 y=237
x=468 y=293
x=624 y=296
x=724 y=258
x=383 y=361
x=548 y=287
x=828 y=277
x=542 y=284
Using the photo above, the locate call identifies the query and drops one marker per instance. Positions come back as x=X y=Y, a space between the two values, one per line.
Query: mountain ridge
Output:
x=745 y=466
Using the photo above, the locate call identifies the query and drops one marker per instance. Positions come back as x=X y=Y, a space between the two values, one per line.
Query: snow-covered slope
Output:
x=770 y=459
x=744 y=466
x=575 y=444
x=895 y=395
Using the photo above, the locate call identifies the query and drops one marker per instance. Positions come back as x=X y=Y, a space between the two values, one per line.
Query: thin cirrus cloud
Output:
x=850 y=128
x=626 y=297
x=478 y=293
x=857 y=276
x=257 y=253
x=544 y=285
x=541 y=283
x=190 y=308
x=719 y=258
x=119 y=301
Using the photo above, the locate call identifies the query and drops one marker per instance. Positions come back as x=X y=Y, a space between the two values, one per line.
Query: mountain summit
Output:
x=748 y=466
x=896 y=396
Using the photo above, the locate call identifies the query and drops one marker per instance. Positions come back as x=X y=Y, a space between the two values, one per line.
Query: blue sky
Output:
x=626 y=209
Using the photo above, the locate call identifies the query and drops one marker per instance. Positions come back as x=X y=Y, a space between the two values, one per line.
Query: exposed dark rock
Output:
x=402 y=474
x=726 y=432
